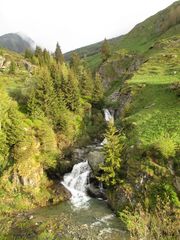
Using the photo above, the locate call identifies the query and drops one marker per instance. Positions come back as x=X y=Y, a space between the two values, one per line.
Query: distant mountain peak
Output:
x=27 y=38
x=17 y=42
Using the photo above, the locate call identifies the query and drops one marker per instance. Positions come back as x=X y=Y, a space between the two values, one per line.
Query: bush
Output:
x=165 y=192
x=160 y=224
x=166 y=145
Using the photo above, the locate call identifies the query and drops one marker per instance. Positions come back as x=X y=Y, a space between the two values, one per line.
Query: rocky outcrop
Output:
x=59 y=193
x=96 y=191
x=95 y=158
x=2 y=61
x=32 y=179
x=28 y=66
x=79 y=154
x=119 y=68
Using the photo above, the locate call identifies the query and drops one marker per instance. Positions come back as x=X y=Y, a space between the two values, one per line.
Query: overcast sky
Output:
x=74 y=23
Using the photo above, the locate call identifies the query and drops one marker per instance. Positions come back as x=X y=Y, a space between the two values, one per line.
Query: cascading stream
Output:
x=108 y=118
x=76 y=182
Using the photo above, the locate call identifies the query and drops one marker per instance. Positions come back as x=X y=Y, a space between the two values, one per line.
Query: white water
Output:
x=108 y=116
x=76 y=182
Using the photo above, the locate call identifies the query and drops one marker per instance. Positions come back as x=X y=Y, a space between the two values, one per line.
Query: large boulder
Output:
x=80 y=154
x=95 y=158
x=59 y=193
x=95 y=191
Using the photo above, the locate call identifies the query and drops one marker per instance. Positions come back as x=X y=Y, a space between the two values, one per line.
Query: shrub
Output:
x=165 y=192
x=160 y=224
x=166 y=145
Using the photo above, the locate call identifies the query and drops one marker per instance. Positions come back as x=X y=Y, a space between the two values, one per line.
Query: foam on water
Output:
x=76 y=182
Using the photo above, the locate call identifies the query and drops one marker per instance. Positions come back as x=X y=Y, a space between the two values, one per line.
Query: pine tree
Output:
x=98 y=88
x=12 y=67
x=39 y=55
x=28 y=54
x=75 y=61
x=58 y=54
x=46 y=57
x=112 y=152
x=43 y=96
x=105 y=50
x=70 y=89
x=85 y=82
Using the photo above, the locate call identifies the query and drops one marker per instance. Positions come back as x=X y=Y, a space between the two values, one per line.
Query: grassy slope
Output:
x=92 y=49
x=145 y=34
x=141 y=37
x=155 y=109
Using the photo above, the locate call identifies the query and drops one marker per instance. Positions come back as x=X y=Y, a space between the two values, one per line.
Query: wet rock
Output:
x=80 y=154
x=59 y=193
x=95 y=158
x=95 y=191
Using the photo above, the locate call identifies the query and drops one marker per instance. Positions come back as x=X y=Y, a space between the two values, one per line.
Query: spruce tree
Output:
x=28 y=54
x=39 y=55
x=43 y=95
x=85 y=82
x=70 y=89
x=75 y=61
x=98 y=88
x=46 y=57
x=112 y=152
x=12 y=67
x=58 y=54
x=105 y=50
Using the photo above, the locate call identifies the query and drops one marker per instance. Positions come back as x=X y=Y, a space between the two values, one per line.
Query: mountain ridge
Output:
x=16 y=42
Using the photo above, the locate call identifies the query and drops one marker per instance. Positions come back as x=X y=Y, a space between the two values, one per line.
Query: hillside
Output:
x=142 y=81
x=92 y=49
x=141 y=37
x=16 y=42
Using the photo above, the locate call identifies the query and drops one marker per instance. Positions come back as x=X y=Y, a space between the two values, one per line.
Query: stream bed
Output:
x=93 y=221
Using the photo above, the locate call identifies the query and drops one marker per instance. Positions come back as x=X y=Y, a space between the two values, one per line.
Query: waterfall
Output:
x=108 y=116
x=76 y=182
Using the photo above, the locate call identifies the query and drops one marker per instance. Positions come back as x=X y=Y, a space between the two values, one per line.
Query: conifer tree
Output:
x=43 y=96
x=85 y=82
x=105 y=50
x=98 y=88
x=70 y=89
x=12 y=67
x=39 y=55
x=46 y=57
x=28 y=54
x=58 y=54
x=75 y=61
x=112 y=152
